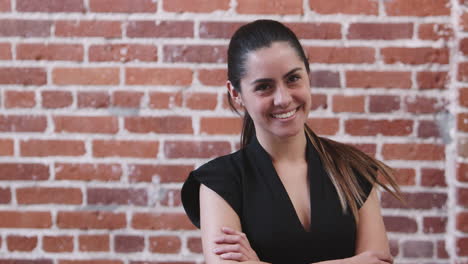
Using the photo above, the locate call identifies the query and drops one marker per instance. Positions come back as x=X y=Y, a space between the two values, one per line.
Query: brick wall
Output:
x=106 y=105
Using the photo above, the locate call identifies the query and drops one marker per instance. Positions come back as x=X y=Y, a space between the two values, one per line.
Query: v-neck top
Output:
x=248 y=182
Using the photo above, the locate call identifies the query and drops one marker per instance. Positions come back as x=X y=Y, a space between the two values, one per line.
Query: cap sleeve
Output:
x=219 y=176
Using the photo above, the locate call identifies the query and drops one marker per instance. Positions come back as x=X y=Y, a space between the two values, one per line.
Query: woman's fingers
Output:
x=233 y=256
x=236 y=248
x=384 y=257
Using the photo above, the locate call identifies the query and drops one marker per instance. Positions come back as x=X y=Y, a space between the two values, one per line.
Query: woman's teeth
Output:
x=285 y=115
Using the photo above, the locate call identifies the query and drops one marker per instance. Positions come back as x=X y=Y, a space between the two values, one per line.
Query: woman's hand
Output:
x=234 y=245
x=371 y=257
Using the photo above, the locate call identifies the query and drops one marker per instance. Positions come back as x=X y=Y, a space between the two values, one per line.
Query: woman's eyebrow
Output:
x=270 y=79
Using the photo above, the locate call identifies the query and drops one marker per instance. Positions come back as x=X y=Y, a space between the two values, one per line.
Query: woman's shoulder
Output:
x=226 y=163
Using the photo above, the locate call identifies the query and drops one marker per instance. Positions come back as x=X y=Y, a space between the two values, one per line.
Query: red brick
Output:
x=389 y=31
x=57 y=244
x=464 y=21
x=196 y=6
x=23 y=76
x=19 y=99
x=348 y=103
x=201 y=101
x=324 y=126
x=88 y=172
x=463 y=97
x=94 y=243
x=88 y=28
x=158 y=76
x=127 y=99
x=434 y=225
x=26 y=261
x=462 y=122
x=194 y=244
x=195 y=53
x=367 y=127
x=93 y=99
x=462 y=222
x=196 y=149
x=163 y=100
x=324 y=79
x=23 y=172
x=432 y=80
x=413 y=151
x=56 y=99
x=441 y=250
x=86 y=124
x=329 y=55
x=17 y=219
x=5 y=49
x=420 y=8
x=384 y=103
x=160 y=29
x=50 y=6
x=433 y=177
x=218 y=29
x=49 y=52
x=165 y=244
x=427 y=129
x=5 y=195
x=434 y=31
x=424 y=105
x=91 y=220
x=52 y=147
x=162 y=221
x=171 y=198
x=405 y=177
x=5 y=5
x=220 y=125
x=22 y=123
x=394 y=247
x=462 y=197
x=319 y=101
x=376 y=79
x=462 y=72
x=365 y=7
x=122 y=6
x=48 y=195
x=418 y=200
x=400 y=224
x=277 y=7
x=163 y=173
x=462 y=172
x=85 y=76
x=415 y=55
x=128 y=244
x=123 y=52
x=462 y=246
x=161 y=125
x=24 y=28
x=213 y=77
x=418 y=249
x=21 y=243
x=119 y=196
x=6 y=147
x=125 y=148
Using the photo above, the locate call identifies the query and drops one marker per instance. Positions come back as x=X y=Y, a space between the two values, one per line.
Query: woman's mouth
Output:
x=285 y=114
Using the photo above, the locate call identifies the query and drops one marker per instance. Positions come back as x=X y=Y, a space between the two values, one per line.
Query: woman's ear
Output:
x=235 y=95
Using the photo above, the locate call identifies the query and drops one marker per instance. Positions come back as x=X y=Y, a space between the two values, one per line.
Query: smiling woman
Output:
x=287 y=196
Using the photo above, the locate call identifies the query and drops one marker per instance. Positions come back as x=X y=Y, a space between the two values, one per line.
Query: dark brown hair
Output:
x=345 y=165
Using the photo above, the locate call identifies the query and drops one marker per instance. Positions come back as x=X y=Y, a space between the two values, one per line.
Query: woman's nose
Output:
x=282 y=97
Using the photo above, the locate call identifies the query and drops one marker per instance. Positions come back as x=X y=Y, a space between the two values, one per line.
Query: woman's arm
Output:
x=216 y=213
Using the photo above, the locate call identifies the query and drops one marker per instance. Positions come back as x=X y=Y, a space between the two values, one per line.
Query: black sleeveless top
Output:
x=247 y=180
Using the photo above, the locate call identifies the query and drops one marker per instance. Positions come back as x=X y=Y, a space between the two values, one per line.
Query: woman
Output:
x=288 y=196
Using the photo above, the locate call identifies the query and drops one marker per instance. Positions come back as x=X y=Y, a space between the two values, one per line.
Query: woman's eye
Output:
x=293 y=78
x=262 y=87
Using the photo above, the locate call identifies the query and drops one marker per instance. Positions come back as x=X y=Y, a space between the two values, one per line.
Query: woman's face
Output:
x=275 y=91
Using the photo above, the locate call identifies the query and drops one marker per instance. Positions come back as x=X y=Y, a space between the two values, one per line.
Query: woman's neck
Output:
x=290 y=149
